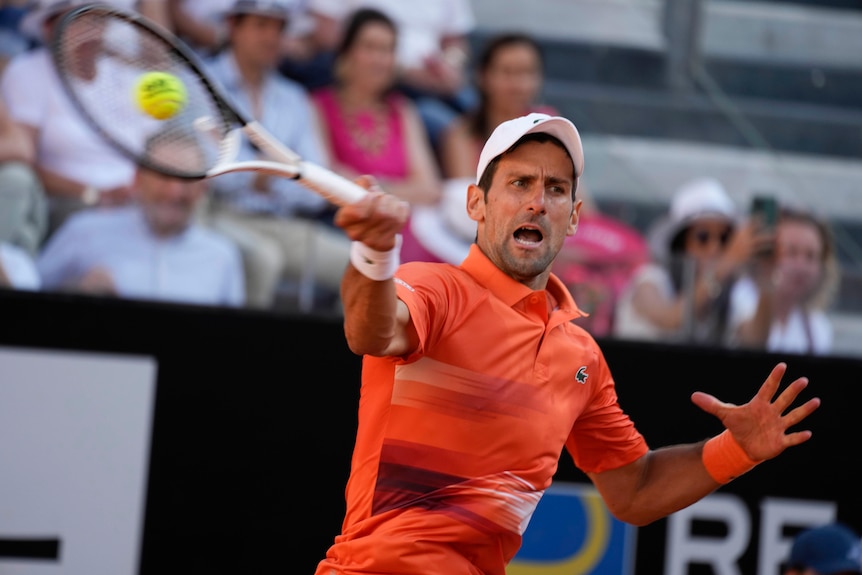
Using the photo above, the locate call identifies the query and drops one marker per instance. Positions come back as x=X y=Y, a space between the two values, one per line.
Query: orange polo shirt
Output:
x=457 y=443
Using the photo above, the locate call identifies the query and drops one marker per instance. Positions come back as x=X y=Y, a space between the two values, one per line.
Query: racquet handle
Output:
x=337 y=189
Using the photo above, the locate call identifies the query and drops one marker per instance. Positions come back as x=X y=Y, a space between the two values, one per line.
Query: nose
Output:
x=536 y=199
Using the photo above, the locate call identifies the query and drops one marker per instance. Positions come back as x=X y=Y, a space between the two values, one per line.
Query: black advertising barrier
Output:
x=255 y=414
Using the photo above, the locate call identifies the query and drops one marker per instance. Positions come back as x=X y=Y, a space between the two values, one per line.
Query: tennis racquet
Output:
x=101 y=52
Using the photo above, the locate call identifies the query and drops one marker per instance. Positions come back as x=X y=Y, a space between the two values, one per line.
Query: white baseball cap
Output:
x=506 y=134
x=697 y=199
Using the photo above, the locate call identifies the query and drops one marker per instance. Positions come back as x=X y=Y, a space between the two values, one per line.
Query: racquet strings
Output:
x=101 y=55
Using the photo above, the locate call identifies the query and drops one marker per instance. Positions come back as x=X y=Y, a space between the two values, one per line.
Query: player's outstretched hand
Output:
x=761 y=425
x=374 y=220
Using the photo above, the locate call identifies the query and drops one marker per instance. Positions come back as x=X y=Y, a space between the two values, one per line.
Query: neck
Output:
x=781 y=308
x=355 y=98
x=252 y=75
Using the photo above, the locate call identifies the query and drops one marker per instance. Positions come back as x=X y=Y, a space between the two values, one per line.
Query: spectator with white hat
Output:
x=699 y=248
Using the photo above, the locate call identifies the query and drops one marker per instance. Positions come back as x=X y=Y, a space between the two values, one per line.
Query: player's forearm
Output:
x=662 y=482
x=369 y=312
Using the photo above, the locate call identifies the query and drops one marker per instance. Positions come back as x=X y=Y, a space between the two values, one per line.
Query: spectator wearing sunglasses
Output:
x=698 y=250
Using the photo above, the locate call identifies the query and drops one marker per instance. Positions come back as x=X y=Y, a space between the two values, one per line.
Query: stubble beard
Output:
x=525 y=266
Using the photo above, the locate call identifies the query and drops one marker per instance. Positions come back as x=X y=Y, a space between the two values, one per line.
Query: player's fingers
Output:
x=797 y=437
x=366 y=181
x=786 y=398
x=708 y=403
x=773 y=380
x=798 y=414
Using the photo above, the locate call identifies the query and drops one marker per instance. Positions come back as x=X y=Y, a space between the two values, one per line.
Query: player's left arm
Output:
x=669 y=479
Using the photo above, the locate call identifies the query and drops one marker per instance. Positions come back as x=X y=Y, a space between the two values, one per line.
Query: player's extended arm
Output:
x=376 y=322
x=669 y=479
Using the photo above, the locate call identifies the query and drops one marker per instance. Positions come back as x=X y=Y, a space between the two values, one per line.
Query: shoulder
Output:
x=25 y=63
x=459 y=132
x=430 y=278
x=406 y=109
x=460 y=126
x=584 y=339
x=821 y=325
x=651 y=273
x=97 y=219
x=324 y=100
x=289 y=87
x=324 y=94
x=28 y=69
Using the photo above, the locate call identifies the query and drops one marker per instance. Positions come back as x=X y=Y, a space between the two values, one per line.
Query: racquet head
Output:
x=101 y=53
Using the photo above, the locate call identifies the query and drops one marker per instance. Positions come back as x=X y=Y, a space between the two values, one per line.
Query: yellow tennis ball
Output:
x=160 y=94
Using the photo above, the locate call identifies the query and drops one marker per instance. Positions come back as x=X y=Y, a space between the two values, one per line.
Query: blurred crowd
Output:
x=388 y=88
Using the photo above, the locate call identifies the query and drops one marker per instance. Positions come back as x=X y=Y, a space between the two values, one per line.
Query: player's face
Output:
x=529 y=211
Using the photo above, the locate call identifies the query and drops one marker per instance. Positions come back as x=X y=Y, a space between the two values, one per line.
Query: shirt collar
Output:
x=509 y=290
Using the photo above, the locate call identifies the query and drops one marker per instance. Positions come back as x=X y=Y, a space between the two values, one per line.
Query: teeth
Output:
x=526 y=242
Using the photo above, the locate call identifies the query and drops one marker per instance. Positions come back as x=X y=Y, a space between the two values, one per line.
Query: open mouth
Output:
x=528 y=236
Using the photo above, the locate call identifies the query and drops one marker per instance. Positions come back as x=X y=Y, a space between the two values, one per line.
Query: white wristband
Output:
x=374 y=264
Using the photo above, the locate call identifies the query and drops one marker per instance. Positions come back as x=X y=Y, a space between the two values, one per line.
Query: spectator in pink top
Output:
x=368 y=127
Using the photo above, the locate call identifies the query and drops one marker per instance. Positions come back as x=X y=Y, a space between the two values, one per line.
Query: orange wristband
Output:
x=724 y=459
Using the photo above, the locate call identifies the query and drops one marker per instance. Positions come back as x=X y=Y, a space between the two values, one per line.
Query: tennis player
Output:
x=474 y=379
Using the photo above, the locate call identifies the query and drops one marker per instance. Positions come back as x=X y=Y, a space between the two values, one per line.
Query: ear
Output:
x=576 y=215
x=476 y=203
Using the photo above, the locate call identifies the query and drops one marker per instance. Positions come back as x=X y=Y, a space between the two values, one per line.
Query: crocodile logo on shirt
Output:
x=582 y=375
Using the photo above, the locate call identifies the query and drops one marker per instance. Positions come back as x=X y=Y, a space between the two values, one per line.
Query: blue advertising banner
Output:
x=573 y=533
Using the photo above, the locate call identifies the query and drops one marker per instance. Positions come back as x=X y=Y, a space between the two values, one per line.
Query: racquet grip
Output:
x=337 y=189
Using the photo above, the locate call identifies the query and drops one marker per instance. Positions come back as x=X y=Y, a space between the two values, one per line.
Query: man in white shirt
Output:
x=150 y=249
x=76 y=167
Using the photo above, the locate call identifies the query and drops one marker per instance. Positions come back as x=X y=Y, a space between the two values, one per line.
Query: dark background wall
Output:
x=255 y=415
